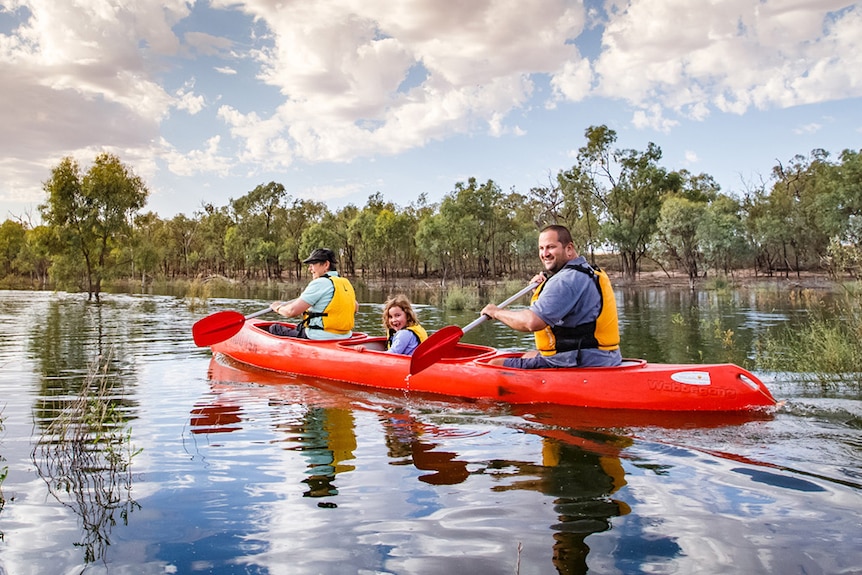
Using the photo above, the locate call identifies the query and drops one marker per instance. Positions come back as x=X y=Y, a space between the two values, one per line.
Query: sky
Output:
x=342 y=99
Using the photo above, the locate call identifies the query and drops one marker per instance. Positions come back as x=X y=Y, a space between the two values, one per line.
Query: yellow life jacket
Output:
x=417 y=330
x=603 y=333
x=338 y=317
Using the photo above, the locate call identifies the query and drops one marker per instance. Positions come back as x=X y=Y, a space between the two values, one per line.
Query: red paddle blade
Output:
x=217 y=327
x=438 y=345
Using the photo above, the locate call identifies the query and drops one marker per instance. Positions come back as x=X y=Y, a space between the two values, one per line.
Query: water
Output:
x=247 y=472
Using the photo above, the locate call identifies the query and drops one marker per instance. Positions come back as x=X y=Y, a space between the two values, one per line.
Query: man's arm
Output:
x=521 y=320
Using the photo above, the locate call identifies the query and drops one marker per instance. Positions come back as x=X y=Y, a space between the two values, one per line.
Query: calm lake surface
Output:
x=248 y=472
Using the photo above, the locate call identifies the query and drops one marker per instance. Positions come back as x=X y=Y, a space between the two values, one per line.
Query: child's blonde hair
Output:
x=399 y=300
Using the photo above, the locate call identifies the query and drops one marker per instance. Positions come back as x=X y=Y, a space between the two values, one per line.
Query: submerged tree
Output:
x=91 y=214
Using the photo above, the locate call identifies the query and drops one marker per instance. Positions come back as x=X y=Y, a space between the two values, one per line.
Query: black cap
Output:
x=320 y=255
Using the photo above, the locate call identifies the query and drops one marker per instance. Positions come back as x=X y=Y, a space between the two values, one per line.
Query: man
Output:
x=327 y=305
x=573 y=313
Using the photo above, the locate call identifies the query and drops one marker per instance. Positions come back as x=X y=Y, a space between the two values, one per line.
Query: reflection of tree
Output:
x=84 y=455
x=404 y=439
x=581 y=482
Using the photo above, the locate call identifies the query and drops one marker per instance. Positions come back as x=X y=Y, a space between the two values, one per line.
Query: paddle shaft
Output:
x=482 y=318
x=258 y=313
x=444 y=340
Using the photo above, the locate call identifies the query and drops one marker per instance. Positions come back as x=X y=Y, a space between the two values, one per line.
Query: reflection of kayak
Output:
x=636 y=385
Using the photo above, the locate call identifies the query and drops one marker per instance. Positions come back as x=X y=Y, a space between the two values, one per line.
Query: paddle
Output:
x=220 y=326
x=445 y=339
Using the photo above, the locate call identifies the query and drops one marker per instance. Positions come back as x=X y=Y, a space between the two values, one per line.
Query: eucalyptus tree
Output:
x=435 y=245
x=796 y=197
x=460 y=232
x=677 y=235
x=581 y=208
x=625 y=187
x=148 y=246
x=34 y=258
x=680 y=237
x=323 y=235
x=764 y=229
x=480 y=216
x=418 y=211
x=847 y=185
x=255 y=215
x=298 y=217
x=395 y=232
x=12 y=240
x=213 y=224
x=92 y=214
x=181 y=254
x=721 y=235
x=362 y=235
x=516 y=235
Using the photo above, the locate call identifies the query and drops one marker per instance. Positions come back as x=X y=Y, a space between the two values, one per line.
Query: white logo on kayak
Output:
x=691 y=377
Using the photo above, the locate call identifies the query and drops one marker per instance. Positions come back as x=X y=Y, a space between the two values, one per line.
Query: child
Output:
x=399 y=320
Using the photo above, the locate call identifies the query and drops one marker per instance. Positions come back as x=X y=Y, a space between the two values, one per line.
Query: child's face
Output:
x=397 y=318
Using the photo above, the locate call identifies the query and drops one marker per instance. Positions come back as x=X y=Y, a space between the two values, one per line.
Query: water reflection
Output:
x=581 y=483
x=407 y=441
x=85 y=454
x=579 y=470
x=326 y=439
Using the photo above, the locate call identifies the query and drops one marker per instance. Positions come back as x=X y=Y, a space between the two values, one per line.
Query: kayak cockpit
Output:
x=458 y=353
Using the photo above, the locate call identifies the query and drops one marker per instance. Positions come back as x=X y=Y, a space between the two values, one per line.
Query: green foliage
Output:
x=826 y=349
x=12 y=240
x=91 y=214
x=197 y=294
x=678 y=224
x=614 y=200
x=461 y=298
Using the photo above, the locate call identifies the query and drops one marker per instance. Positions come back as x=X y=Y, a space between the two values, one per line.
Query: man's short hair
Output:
x=564 y=236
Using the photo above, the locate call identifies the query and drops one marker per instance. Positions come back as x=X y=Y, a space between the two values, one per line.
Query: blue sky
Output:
x=341 y=99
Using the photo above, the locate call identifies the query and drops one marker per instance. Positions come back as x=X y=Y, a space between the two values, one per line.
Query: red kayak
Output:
x=464 y=372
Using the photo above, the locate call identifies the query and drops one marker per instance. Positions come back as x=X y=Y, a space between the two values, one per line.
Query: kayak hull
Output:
x=466 y=373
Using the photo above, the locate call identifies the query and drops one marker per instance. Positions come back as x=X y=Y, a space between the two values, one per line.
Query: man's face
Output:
x=553 y=254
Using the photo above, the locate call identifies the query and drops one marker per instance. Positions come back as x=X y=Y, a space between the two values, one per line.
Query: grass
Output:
x=197 y=294
x=826 y=349
x=461 y=298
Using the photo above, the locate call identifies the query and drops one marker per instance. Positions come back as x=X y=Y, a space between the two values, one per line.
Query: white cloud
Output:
x=731 y=55
x=811 y=128
x=206 y=160
x=335 y=80
x=78 y=78
x=652 y=117
x=340 y=65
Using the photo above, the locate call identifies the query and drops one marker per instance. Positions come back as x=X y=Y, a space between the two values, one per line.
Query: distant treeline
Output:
x=618 y=201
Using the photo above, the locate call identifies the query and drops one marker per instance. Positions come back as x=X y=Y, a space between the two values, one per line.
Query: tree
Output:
x=721 y=235
x=678 y=224
x=35 y=255
x=625 y=187
x=256 y=214
x=12 y=239
x=92 y=214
